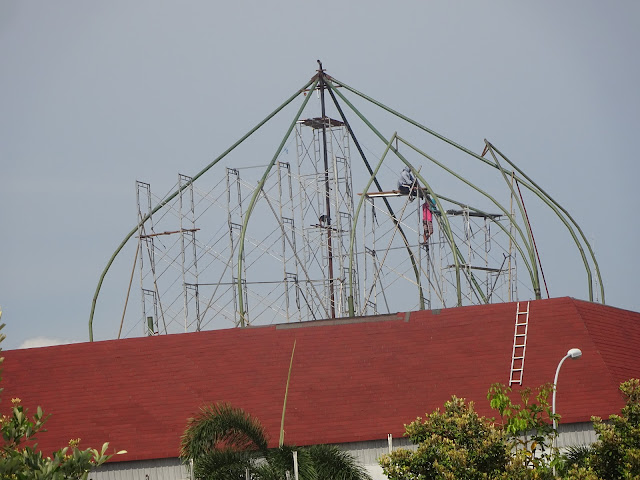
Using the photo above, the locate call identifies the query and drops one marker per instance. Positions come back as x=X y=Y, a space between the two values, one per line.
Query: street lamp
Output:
x=574 y=353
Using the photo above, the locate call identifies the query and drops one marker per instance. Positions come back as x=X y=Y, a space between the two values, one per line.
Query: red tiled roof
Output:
x=352 y=379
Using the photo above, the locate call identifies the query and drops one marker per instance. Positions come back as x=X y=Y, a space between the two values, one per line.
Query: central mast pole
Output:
x=327 y=190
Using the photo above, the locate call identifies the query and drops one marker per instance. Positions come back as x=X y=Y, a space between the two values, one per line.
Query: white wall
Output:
x=366 y=453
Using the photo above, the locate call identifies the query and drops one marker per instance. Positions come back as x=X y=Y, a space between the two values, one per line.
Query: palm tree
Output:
x=225 y=443
x=576 y=455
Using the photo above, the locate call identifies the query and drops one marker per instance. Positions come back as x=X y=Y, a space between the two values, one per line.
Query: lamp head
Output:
x=574 y=353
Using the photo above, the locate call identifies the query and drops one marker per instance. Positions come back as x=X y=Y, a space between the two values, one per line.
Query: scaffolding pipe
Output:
x=174 y=194
x=327 y=190
x=254 y=198
x=394 y=219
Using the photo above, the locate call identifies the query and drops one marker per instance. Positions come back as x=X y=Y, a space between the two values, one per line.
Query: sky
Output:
x=97 y=95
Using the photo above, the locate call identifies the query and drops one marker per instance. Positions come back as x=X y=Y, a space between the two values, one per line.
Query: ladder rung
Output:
x=520 y=346
x=518 y=358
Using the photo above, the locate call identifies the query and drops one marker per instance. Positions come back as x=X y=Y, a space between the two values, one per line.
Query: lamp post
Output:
x=573 y=353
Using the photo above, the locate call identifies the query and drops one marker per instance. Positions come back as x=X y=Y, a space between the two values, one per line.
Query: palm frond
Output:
x=331 y=463
x=578 y=455
x=222 y=426
x=225 y=442
x=222 y=465
x=281 y=460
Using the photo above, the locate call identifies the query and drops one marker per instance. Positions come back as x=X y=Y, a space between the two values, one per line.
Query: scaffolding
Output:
x=288 y=272
x=285 y=274
x=292 y=240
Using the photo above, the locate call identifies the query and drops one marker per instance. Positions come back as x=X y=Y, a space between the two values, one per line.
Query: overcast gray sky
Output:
x=97 y=95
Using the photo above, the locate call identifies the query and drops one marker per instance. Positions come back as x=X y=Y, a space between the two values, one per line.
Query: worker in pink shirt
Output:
x=427 y=218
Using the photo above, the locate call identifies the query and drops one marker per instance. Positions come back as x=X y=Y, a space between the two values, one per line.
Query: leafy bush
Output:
x=20 y=459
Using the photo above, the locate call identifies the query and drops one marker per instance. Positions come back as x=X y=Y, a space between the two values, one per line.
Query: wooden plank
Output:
x=394 y=193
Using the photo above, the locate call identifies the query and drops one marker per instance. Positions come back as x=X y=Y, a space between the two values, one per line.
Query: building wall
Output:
x=162 y=469
x=366 y=453
x=575 y=434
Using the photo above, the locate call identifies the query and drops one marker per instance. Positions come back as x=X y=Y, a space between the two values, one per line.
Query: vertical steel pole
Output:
x=327 y=191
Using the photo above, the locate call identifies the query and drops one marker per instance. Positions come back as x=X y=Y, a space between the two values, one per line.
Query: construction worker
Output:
x=428 y=207
x=408 y=185
x=406 y=182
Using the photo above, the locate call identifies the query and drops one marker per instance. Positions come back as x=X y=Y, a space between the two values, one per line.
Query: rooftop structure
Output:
x=352 y=380
x=315 y=227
